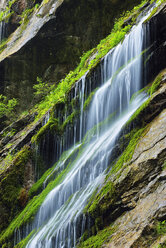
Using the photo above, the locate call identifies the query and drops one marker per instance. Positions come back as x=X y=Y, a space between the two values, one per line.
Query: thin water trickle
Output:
x=82 y=92
x=2 y=23
x=60 y=221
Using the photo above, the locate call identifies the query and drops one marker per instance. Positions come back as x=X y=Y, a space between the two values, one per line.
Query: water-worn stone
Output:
x=146 y=190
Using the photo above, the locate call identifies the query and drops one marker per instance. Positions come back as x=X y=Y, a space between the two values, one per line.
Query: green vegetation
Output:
x=135 y=136
x=24 y=242
x=158 y=3
x=155 y=84
x=117 y=35
x=139 y=111
x=38 y=186
x=42 y=89
x=11 y=185
x=161 y=227
x=99 y=239
x=33 y=205
x=7 y=107
x=150 y=90
x=30 y=210
x=54 y=126
x=49 y=174
x=89 y=99
x=6 y=13
x=3 y=44
x=100 y=203
x=161 y=231
x=59 y=95
x=26 y=14
x=164 y=165
x=9 y=133
x=6 y=162
x=163 y=245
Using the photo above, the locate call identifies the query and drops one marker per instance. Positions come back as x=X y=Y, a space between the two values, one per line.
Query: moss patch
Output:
x=52 y=125
x=24 y=242
x=89 y=99
x=27 y=215
x=89 y=61
x=155 y=84
x=102 y=201
x=10 y=187
x=135 y=136
x=99 y=239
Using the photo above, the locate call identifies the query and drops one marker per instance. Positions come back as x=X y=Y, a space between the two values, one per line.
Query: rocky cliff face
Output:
x=51 y=40
x=129 y=208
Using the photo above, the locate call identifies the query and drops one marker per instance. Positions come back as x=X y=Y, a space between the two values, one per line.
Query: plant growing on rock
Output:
x=7 y=107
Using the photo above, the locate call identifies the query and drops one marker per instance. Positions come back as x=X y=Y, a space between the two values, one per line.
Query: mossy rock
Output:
x=11 y=186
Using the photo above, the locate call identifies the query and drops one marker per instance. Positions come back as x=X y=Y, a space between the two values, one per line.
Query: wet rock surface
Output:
x=51 y=43
x=145 y=182
x=157 y=44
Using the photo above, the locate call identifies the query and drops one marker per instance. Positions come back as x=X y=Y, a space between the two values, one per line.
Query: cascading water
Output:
x=2 y=23
x=60 y=221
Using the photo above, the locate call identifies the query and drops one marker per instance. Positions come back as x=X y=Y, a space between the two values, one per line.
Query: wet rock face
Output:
x=57 y=47
x=141 y=191
x=157 y=44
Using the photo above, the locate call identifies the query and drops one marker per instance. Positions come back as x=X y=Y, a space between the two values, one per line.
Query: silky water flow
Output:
x=60 y=221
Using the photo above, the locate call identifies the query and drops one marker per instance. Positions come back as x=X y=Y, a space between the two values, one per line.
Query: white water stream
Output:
x=2 y=24
x=59 y=221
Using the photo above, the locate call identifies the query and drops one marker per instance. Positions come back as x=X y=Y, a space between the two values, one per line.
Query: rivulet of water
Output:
x=60 y=220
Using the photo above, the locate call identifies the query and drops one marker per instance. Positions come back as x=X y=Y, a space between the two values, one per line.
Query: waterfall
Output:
x=60 y=220
x=2 y=30
x=2 y=23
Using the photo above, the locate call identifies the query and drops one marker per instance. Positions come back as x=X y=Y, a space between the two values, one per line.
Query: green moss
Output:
x=139 y=111
x=3 y=45
x=24 y=242
x=158 y=3
x=161 y=227
x=103 y=200
x=164 y=165
x=152 y=89
x=52 y=125
x=27 y=215
x=11 y=185
x=66 y=158
x=128 y=153
x=99 y=203
x=6 y=13
x=163 y=245
x=38 y=186
x=98 y=240
x=59 y=94
x=155 y=84
x=145 y=89
x=89 y=99
x=160 y=232
x=25 y=16
x=30 y=210
x=92 y=198
x=69 y=120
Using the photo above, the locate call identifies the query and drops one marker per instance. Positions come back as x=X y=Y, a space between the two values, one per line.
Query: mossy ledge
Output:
x=9 y=233
x=13 y=193
x=103 y=205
